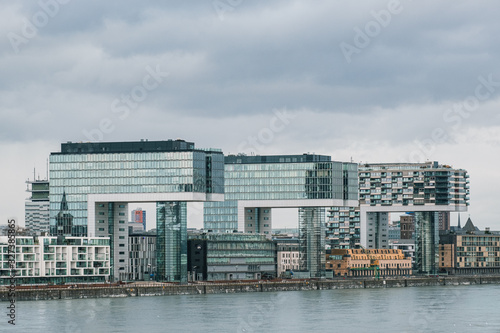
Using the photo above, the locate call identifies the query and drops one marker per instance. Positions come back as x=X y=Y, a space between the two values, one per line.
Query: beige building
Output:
x=373 y=262
x=287 y=255
x=469 y=251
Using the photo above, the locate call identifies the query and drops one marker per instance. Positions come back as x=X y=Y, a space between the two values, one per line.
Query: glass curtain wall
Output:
x=171 y=241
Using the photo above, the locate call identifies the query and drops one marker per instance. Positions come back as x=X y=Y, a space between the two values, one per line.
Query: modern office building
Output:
x=57 y=260
x=142 y=256
x=254 y=185
x=98 y=180
x=232 y=256
x=36 y=208
x=343 y=228
x=361 y=262
x=421 y=188
x=469 y=251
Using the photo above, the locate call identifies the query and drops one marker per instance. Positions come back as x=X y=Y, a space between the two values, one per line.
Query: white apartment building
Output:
x=56 y=259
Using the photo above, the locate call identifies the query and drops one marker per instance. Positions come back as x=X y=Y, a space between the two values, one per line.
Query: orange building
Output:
x=373 y=262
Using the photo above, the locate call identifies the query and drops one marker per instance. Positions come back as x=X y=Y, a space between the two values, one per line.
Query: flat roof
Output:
x=143 y=146
x=261 y=159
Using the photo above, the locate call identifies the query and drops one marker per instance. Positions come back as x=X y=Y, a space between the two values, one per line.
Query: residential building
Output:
x=405 y=245
x=98 y=180
x=469 y=251
x=36 y=207
x=372 y=262
x=254 y=185
x=421 y=188
x=56 y=259
x=343 y=228
x=287 y=254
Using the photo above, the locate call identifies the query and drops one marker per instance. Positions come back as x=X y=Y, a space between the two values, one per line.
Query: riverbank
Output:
x=206 y=288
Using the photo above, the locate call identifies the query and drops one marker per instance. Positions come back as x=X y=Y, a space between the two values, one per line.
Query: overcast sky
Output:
x=376 y=81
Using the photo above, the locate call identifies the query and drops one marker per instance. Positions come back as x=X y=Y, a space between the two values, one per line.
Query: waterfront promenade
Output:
x=137 y=289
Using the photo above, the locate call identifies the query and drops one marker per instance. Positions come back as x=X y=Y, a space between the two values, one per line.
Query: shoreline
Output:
x=206 y=288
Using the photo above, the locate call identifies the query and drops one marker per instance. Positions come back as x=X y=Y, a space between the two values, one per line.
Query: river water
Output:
x=419 y=309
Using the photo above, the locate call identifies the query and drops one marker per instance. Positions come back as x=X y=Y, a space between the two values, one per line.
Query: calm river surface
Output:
x=422 y=309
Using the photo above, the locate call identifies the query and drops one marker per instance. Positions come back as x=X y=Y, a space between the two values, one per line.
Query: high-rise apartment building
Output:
x=422 y=188
x=343 y=228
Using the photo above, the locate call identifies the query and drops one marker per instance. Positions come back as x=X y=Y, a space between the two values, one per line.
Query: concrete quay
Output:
x=206 y=288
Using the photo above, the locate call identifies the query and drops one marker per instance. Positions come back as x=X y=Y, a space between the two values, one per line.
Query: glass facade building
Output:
x=280 y=181
x=95 y=174
x=256 y=184
x=240 y=257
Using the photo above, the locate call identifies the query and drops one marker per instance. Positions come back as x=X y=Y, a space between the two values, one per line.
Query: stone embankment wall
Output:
x=241 y=287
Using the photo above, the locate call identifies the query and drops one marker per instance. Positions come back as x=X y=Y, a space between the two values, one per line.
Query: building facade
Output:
x=288 y=255
x=232 y=256
x=405 y=245
x=254 y=185
x=443 y=219
x=361 y=262
x=469 y=251
x=407 y=224
x=343 y=228
x=57 y=260
x=421 y=188
x=36 y=209
x=142 y=256
x=100 y=179
x=139 y=217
